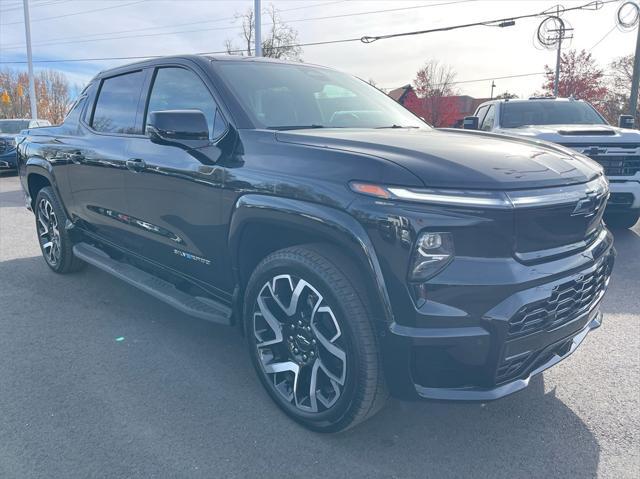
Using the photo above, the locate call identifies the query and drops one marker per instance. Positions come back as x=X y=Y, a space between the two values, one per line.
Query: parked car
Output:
x=577 y=125
x=360 y=251
x=9 y=129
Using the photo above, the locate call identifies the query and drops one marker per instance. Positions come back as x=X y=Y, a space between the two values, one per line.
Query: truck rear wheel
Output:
x=54 y=239
x=626 y=219
x=311 y=340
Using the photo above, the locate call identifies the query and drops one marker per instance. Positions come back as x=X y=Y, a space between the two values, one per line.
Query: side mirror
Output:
x=186 y=128
x=626 y=121
x=471 y=123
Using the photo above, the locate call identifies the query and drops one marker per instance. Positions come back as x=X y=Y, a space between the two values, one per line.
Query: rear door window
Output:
x=117 y=104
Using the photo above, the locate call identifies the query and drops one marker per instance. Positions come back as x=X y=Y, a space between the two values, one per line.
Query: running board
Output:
x=203 y=308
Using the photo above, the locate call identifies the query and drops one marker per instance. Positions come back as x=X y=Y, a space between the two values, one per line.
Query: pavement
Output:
x=99 y=380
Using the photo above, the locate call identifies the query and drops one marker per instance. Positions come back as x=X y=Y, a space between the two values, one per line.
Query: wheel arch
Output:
x=38 y=175
x=262 y=224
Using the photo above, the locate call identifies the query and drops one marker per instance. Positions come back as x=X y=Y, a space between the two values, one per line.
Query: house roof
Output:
x=399 y=93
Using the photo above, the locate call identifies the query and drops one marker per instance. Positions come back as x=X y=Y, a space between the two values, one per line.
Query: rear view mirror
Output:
x=184 y=127
x=626 y=121
x=471 y=123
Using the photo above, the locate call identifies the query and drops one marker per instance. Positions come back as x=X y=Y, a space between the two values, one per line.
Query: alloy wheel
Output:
x=299 y=343
x=48 y=232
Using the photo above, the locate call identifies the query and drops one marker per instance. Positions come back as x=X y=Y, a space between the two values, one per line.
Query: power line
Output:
x=602 y=39
x=20 y=45
x=18 y=5
x=594 y=5
x=142 y=57
x=70 y=39
x=77 y=13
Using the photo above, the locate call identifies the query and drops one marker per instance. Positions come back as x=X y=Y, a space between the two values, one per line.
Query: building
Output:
x=446 y=111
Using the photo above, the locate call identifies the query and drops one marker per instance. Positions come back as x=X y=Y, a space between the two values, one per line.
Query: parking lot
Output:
x=100 y=380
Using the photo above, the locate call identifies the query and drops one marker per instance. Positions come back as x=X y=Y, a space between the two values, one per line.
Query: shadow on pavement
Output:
x=178 y=390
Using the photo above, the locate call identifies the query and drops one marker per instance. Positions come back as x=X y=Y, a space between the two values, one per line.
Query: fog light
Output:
x=433 y=252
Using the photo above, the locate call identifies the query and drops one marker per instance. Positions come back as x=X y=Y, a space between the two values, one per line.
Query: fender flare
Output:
x=328 y=222
x=39 y=166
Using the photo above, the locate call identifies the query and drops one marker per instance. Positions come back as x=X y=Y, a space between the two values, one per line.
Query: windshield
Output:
x=548 y=112
x=13 y=126
x=285 y=96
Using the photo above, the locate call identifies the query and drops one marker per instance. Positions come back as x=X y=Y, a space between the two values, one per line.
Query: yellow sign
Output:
x=20 y=91
x=5 y=97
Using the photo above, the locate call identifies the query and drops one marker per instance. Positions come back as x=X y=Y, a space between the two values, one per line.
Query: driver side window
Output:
x=487 y=123
x=180 y=89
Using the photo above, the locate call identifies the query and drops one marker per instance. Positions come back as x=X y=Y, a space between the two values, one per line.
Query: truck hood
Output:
x=576 y=134
x=458 y=158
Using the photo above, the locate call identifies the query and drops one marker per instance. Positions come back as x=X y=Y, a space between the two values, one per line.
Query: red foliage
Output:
x=580 y=76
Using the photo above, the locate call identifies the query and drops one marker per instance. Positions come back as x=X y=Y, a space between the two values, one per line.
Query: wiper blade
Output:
x=395 y=126
x=294 y=127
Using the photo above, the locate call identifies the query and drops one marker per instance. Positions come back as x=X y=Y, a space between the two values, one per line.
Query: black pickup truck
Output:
x=360 y=251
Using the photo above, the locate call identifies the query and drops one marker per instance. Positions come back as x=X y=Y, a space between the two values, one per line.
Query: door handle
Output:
x=136 y=164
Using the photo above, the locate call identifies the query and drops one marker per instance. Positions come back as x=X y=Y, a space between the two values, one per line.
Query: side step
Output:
x=203 y=308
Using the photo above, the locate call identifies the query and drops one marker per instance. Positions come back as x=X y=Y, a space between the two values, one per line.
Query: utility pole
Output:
x=556 y=84
x=258 y=28
x=633 y=98
x=32 y=82
x=493 y=85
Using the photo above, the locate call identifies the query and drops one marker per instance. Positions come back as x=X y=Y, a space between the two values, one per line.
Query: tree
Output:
x=617 y=99
x=279 y=41
x=580 y=77
x=434 y=85
x=52 y=91
x=506 y=96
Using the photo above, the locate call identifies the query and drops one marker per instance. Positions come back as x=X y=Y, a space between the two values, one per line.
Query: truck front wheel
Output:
x=311 y=340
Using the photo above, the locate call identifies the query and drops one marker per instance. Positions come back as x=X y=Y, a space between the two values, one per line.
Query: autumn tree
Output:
x=434 y=85
x=580 y=77
x=278 y=41
x=52 y=92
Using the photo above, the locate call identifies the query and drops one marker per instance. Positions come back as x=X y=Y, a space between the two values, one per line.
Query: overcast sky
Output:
x=189 y=26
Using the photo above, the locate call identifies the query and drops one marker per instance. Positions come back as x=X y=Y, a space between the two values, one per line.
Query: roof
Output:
x=536 y=99
x=399 y=93
x=200 y=58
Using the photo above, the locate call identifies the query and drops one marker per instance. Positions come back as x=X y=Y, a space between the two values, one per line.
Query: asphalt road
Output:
x=177 y=396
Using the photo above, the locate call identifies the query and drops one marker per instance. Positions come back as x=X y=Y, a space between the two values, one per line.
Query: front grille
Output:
x=568 y=301
x=517 y=367
x=618 y=165
x=4 y=146
x=621 y=200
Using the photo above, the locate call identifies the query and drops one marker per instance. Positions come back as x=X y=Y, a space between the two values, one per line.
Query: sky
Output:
x=78 y=29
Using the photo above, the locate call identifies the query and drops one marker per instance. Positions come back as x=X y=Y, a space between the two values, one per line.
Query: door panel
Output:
x=174 y=192
x=97 y=158
x=174 y=205
x=96 y=179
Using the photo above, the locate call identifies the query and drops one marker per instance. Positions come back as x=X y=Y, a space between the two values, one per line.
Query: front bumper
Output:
x=454 y=354
x=625 y=194
x=8 y=160
x=552 y=354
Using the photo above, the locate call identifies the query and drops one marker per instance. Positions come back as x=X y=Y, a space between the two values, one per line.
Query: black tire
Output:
x=332 y=305
x=54 y=239
x=621 y=220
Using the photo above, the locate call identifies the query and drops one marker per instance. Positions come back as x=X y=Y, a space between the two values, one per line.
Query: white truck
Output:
x=577 y=125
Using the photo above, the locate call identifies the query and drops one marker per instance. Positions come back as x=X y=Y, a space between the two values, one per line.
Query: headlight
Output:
x=485 y=199
x=433 y=252
x=529 y=198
